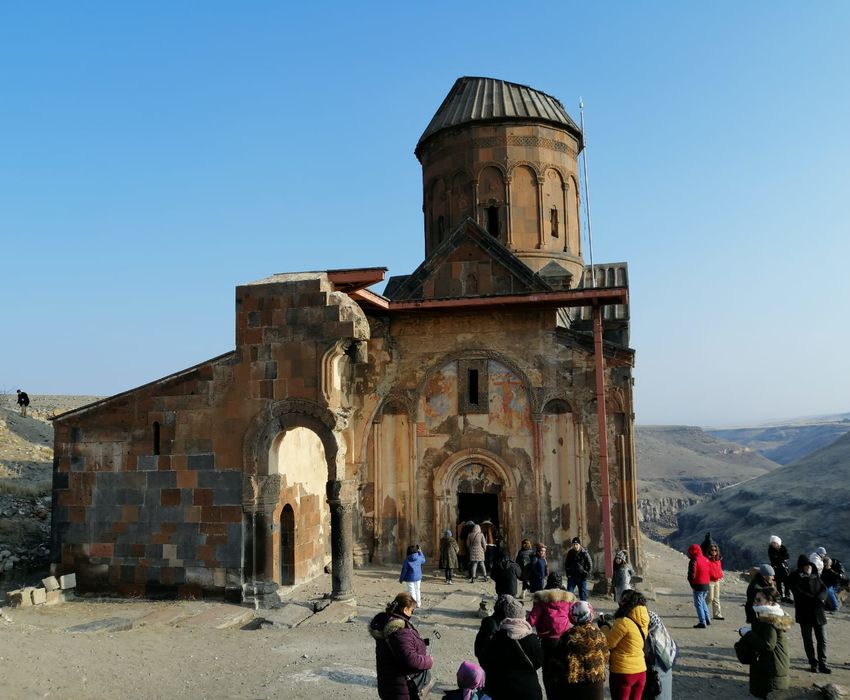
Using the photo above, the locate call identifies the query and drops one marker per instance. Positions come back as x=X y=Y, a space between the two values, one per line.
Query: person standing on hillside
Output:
x=577 y=565
x=706 y=544
x=699 y=576
x=777 y=553
x=833 y=578
x=809 y=598
x=763 y=579
x=767 y=644
x=23 y=402
x=715 y=573
x=816 y=558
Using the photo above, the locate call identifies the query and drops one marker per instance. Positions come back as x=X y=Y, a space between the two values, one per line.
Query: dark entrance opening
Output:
x=287 y=546
x=478 y=507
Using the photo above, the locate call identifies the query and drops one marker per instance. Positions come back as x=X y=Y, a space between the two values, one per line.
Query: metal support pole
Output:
x=607 y=531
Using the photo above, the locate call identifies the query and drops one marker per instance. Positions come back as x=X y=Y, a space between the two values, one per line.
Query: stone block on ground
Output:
x=109 y=624
x=219 y=616
x=68 y=581
x=169 y=615
x=337 y=611
x=54 y=598
x=39 y=596
x=26 y=598
x=51 y=583
x=289 y=615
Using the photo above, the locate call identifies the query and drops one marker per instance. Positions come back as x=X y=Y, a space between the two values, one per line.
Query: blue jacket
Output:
x=411 y=570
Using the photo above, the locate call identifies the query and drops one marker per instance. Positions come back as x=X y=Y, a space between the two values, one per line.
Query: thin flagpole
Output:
x=587 y=196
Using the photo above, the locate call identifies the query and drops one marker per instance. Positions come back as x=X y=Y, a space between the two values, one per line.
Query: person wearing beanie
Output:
x=470 y=683
x=777 y=554
x=809 y=611
x=576 y=668
x=577 y=565
x=448 y=554
x=699 y=576
x=763 y=578
x=816 y=558
x=513 y=655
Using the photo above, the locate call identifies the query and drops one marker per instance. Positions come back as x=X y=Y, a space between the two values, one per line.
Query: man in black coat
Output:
x=505 y=574
x=809 y=598
x=577 y=565
x=23 y=401
x=763 y=579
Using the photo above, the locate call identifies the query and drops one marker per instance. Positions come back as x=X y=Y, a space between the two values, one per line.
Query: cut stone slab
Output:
x=68 y=581
x=219 y=617
x=337 y=611
x=26 y=598
x=39 y=596
x=109 y=624
x=170 y=615
x=289 y=615
x=51 y=583
x=54 y=598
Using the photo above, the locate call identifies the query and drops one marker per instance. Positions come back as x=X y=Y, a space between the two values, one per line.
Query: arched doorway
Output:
x=474 y=485
x=287 y=546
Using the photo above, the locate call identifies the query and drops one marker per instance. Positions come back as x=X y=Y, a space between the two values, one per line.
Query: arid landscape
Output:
x=212 y=650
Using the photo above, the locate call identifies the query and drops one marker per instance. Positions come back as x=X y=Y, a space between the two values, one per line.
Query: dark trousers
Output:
x=820 y=636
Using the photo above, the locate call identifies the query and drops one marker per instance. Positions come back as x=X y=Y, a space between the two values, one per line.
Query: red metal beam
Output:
x=602 y=423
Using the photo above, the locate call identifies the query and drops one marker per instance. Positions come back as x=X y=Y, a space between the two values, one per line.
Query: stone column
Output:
x=341 y=501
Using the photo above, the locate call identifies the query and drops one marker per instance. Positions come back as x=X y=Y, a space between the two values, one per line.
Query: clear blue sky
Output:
x=155 y=155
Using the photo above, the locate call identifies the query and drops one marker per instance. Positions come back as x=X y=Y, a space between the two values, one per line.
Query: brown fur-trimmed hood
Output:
x=779 y=622
x=554 y=595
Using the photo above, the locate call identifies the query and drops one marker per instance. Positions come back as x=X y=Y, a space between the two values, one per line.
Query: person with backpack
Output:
x=664 y=653
x=765 y=645
x=833 y=578
x=627 y=638
x=523 y=558
x=401 y=657
x=23 y=402
x=505 y=574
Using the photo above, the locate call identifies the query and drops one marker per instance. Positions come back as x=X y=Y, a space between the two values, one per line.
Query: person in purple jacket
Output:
x=411 y=572
x=400 y=652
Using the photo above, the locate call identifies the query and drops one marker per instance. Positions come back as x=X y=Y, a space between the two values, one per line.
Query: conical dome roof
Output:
x=488 y=99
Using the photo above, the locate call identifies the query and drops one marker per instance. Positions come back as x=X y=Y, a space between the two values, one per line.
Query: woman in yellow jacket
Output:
x=625 y=635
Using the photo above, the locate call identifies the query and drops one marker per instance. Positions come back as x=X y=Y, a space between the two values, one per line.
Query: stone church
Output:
x=495 y=381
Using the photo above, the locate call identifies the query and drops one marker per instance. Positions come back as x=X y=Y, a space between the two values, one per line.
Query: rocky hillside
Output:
x=26 y=469
x=681 y=465
x=789 y=441
x=806 y=503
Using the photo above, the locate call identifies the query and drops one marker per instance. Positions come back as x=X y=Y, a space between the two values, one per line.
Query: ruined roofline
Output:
x=181 y=374
x=585 y=338
x=606 y=296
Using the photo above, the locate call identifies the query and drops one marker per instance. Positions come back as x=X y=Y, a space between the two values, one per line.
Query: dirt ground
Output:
x=151 y=649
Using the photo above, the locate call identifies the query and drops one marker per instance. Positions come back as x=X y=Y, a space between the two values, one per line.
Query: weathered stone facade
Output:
x=346 y=425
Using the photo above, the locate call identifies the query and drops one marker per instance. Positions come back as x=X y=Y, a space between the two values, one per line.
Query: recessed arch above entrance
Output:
x=474 y=484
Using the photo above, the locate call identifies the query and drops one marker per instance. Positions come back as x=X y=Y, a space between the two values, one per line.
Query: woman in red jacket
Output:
x=715 y=573
x=699 y=577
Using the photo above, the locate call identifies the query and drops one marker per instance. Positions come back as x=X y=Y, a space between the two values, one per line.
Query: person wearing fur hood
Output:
x=768 y=643
x=400 y=652
x=512 y=656
x=476 y=545
x=550 y=617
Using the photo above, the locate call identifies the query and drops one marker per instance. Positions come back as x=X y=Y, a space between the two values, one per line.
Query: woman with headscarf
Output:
x=513 y=655
x=625 y=640
x=448 y=554
x=470 y=684
x=399 y=650
x=664 y=651
x=576 y=667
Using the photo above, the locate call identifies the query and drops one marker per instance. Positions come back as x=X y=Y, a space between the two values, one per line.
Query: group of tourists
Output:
x=561 y=634
x=812 y=588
